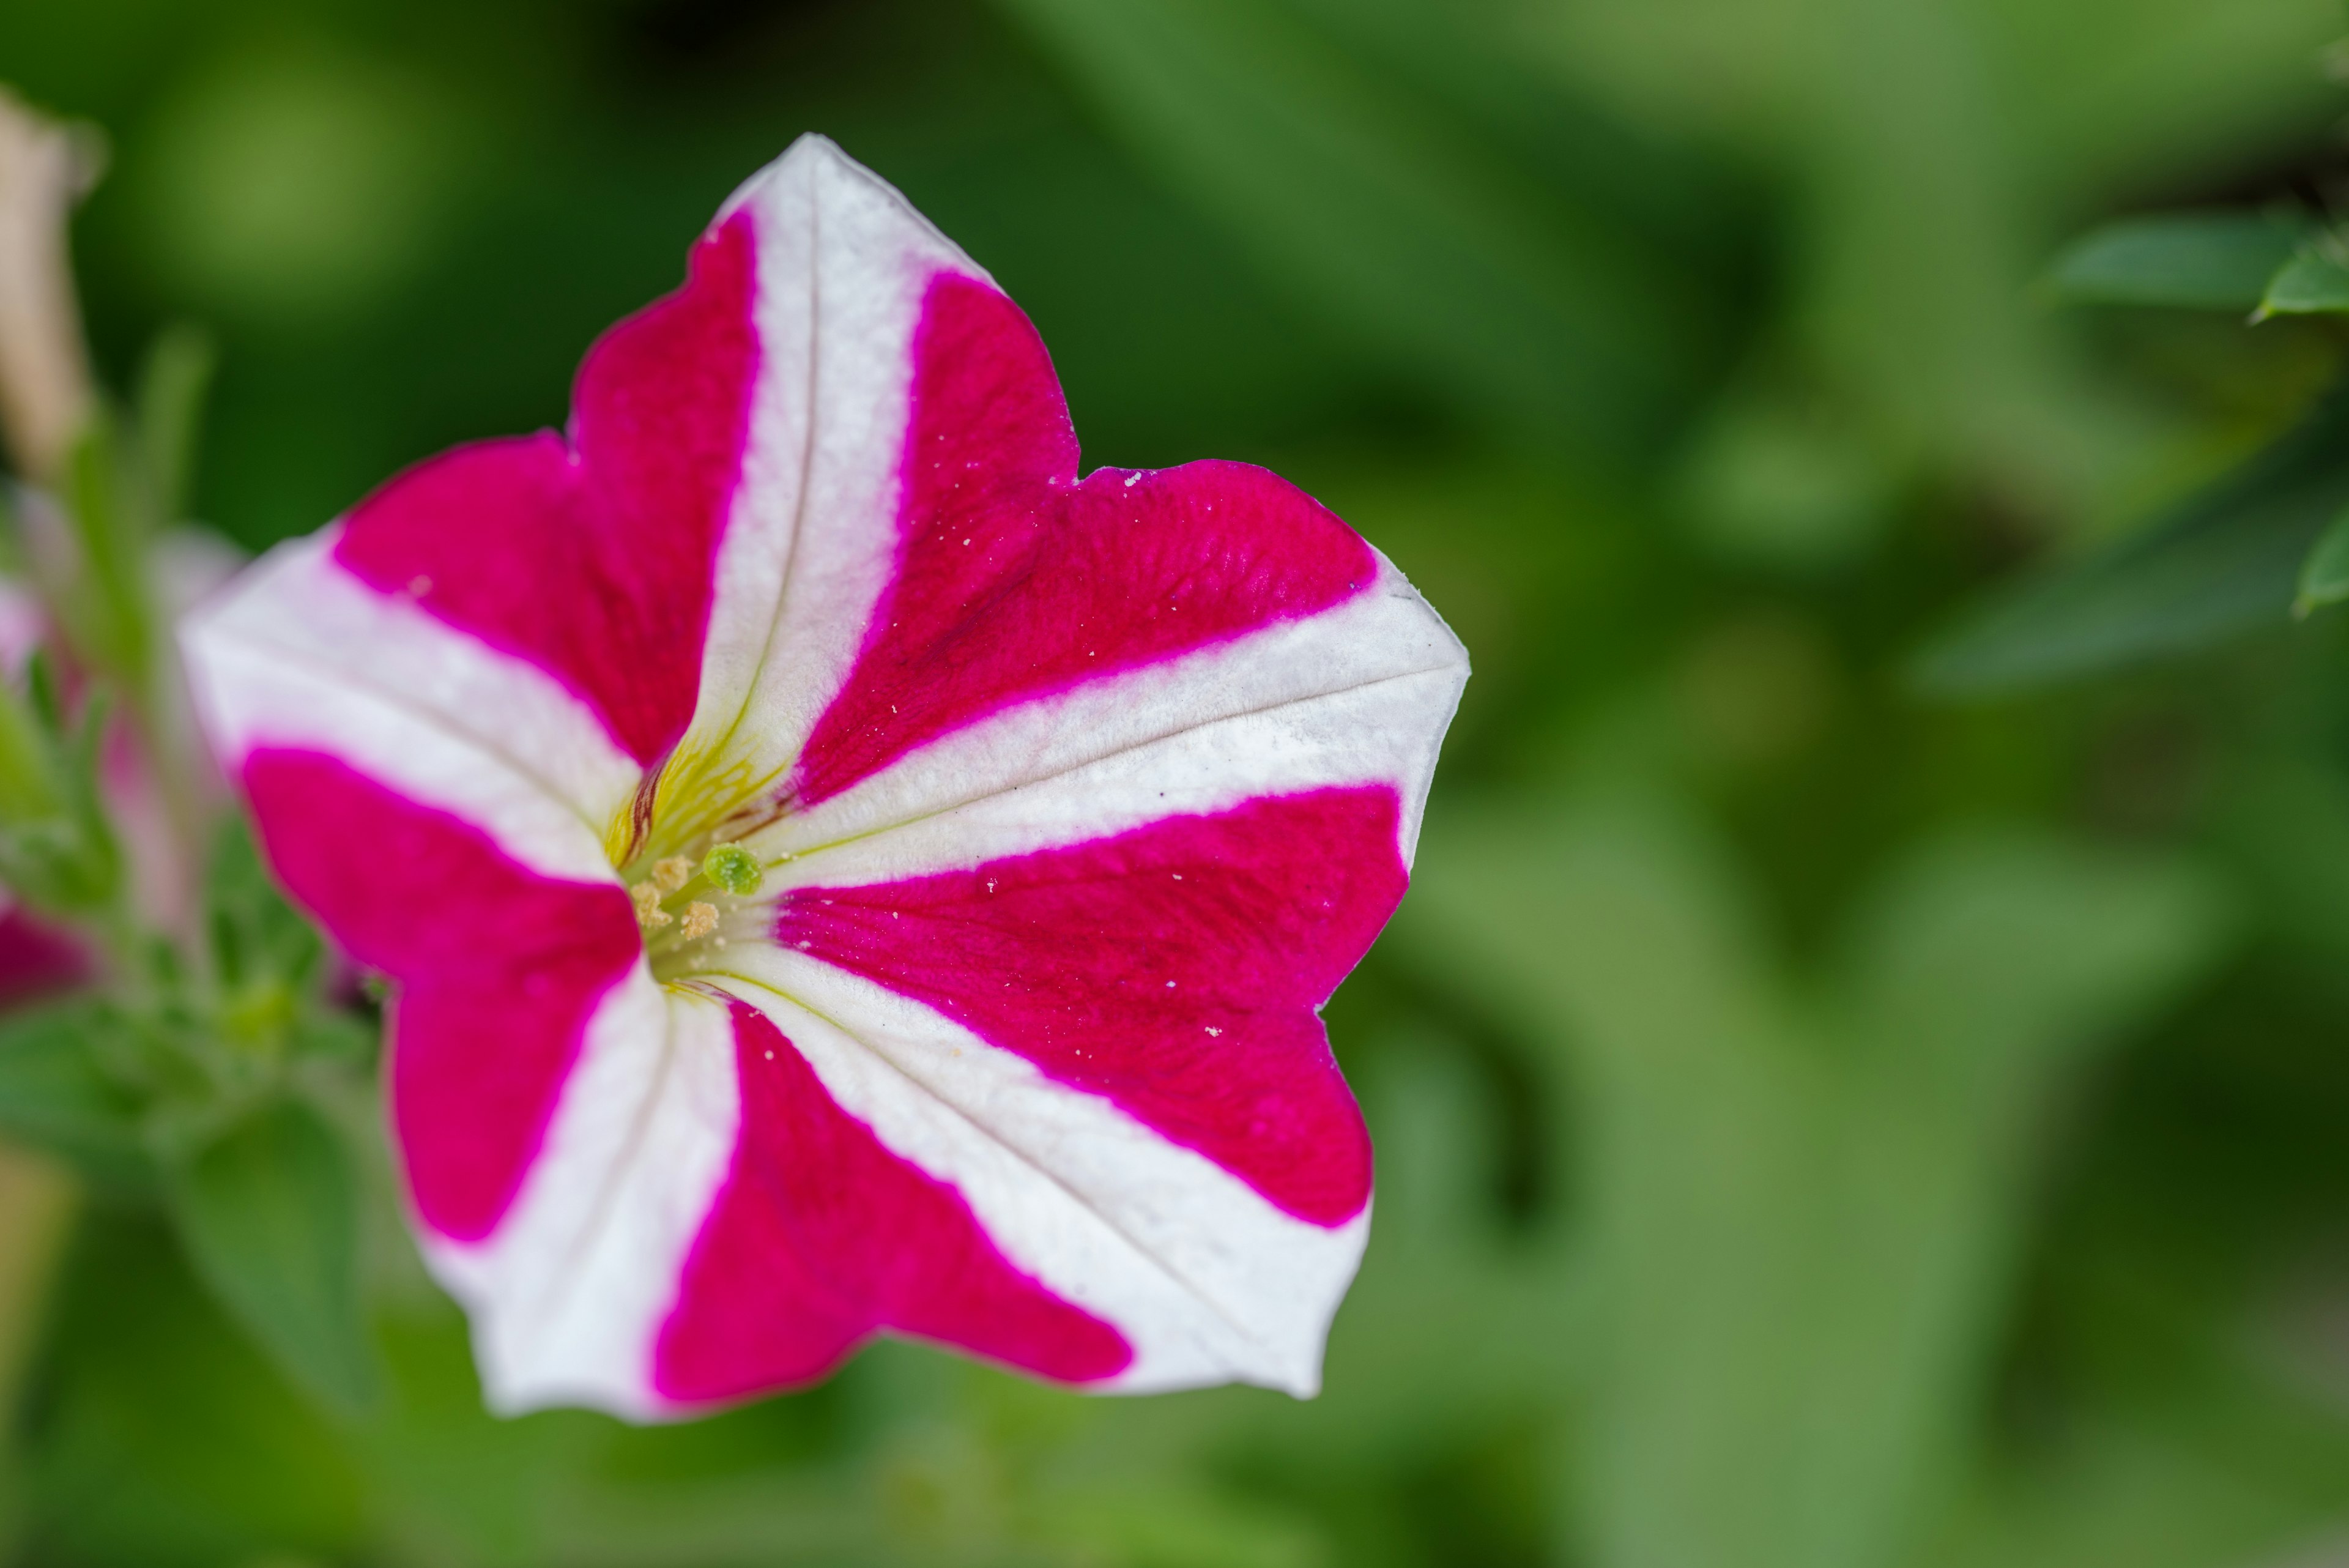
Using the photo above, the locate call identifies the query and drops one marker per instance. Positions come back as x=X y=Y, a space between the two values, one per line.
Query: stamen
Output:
x=649 y=914
x=673 y=873
x=700 y=920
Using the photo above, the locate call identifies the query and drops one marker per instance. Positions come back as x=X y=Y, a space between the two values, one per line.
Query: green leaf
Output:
x=2226 y=561
x=171 y=389
x=266 y=957
x=57 y=848
x=269 y=1215
x=1804 y=1196
x=2206 y=261
x=2315 y=280
x=335 y=1034
x=108 y=613
x=56 y=1094
x=1439 y=223
x=29 y=770
x=166 y=1437
x=257 y=936
x=2324 y=574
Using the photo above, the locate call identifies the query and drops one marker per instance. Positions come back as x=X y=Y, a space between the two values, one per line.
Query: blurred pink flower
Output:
x=840 y=870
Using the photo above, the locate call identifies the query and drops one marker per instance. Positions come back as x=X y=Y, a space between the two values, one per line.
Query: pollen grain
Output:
x=649 y=914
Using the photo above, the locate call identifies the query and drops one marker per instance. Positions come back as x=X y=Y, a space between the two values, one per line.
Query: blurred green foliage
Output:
x=1816 y=1124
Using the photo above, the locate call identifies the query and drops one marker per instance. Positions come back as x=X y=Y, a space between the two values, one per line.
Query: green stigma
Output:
x=734 y=868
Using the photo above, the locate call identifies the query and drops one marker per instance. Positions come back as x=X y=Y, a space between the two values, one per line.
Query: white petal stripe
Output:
x=1206 y=1281
x=568 y=1297
x=843 y=264
x=1358 y=694
x=252 y=694
x=296 y=609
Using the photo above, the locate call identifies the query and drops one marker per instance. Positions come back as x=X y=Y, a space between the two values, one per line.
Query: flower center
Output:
x=689 y=910
x=676 y=847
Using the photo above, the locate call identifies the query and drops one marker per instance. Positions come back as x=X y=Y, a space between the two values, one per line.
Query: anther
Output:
x=673 y=873
x=700 y=920
x=649 y=914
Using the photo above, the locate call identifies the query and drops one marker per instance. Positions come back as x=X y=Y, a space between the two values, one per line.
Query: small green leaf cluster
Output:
x=57 y=851
x=2267 y=540
x=205 y=1070
x=214 y=1092
x=87 y=549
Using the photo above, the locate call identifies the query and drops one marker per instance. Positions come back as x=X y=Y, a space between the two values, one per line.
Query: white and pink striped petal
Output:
x=1076 y=797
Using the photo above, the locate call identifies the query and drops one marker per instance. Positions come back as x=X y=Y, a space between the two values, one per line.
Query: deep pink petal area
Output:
x=820 y=1236
x=592 y=558
x=499 y=969
x=1175 y=969
x=1013 y=580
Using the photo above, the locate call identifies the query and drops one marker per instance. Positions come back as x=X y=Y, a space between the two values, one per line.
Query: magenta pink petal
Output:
x=1014 y=580
x=820 y=1236
x=498 y=970
x=592 y=558
x=1176 y=970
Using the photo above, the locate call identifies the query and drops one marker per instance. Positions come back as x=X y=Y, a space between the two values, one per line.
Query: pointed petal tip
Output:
x=810 y=157
x=815 y=162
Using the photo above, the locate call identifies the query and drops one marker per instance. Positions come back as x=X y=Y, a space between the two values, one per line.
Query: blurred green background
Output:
x=1819 y=1124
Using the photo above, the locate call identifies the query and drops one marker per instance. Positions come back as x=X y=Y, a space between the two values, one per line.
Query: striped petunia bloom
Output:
x=839 y=870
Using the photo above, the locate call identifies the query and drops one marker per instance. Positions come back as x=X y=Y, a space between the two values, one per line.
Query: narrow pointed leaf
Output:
x=2226 y=561
x=109 y=609
x=2314 y=281
x=2203 y=261
x=2324 y=575
x=268 y=1214
x=171 y=388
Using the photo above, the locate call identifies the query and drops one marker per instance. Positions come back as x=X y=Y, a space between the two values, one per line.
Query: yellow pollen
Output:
x=700 y=920
x=649 y=914
x=673 y=873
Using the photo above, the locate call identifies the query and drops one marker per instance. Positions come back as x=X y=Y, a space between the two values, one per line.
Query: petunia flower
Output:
x=840 y=872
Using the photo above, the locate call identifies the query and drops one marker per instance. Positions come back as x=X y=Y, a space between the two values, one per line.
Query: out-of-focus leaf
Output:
x=57 y=848
x=1202 y=1529
x=1458 y=255
x=171 y=388
x=166 y=1439
x=2313 y=282
x=2287 y=822
x=55 y=1093
x=2025 y=944
x=2226 y=1455
x=1777 y=483
x=2206 y=261
x=108 y=607
x=1803 y=1206
x=264 y=953
x=2324 y=574
x=268 y=1213
x=29 y=787
x=2226 y=561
